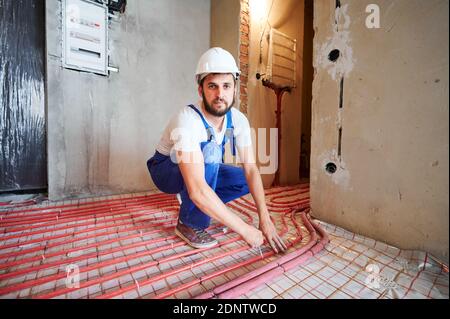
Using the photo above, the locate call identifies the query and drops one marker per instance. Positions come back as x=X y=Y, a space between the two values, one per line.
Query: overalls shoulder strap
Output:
x=229 y=133
x=209 y=129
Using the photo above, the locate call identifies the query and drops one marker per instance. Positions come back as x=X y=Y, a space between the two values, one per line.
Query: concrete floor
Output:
x=124 y=247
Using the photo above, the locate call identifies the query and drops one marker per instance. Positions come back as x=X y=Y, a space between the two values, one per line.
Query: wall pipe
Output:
x=279 y=91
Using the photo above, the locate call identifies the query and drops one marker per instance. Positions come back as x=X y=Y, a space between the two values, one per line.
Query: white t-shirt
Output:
x=185 y=131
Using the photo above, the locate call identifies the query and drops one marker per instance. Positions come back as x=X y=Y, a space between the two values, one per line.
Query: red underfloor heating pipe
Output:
x=30 y=237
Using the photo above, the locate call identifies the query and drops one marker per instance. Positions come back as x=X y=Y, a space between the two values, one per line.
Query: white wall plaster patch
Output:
x=339 y=119
x=342 y=19
x=344 y=64
x=339 y=41
x=342 y=176
x=325 y=119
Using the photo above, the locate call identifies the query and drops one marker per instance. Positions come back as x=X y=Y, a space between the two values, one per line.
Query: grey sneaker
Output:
x=197 y=238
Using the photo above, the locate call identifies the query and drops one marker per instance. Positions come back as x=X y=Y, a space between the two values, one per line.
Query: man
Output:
x=189 y=159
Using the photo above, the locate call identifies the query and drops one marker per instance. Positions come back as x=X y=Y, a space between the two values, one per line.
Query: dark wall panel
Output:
x=23 y=163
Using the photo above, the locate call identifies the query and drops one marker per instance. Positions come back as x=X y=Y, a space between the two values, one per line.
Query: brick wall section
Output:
x=244 y=43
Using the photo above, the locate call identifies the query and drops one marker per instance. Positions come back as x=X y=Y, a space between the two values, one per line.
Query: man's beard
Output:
x=214 y=112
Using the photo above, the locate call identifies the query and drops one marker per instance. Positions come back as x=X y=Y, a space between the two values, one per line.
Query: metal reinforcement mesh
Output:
x=125 y=247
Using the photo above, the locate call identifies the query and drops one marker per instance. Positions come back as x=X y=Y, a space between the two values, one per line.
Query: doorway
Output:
x=308 y=74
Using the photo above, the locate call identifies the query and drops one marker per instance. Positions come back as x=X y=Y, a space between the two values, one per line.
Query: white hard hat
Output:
x=216 y=60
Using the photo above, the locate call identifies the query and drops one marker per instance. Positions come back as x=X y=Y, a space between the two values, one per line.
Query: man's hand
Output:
x=253 y=236
x=257 y=190
x=270 y=232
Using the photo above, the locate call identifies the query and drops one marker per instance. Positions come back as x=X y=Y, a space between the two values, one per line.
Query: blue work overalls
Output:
x=227 y=181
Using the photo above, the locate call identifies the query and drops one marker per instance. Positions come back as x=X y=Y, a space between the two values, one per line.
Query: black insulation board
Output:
x=23 y=163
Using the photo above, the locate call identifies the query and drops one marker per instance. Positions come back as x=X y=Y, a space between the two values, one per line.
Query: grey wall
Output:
x=101 y=130
x=392 y=178
x=225 y=25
